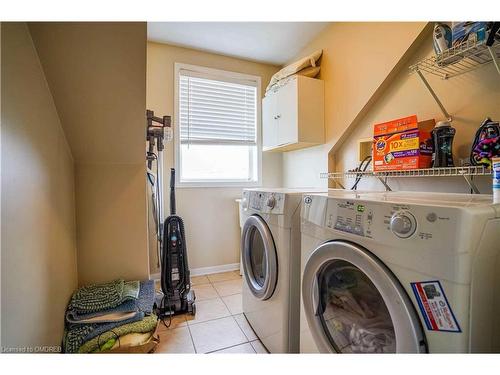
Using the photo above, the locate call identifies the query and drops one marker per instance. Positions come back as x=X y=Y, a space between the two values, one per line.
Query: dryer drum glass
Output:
x=352 y=311
x=258 y=258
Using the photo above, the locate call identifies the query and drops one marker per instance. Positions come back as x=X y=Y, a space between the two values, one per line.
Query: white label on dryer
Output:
x=434 y=306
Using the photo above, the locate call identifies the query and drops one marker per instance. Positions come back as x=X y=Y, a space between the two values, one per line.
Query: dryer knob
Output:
x=403 y=224
x=271 y=202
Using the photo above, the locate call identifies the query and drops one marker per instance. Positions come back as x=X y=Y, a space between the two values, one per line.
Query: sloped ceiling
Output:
x=97 y=76
x=266 y=42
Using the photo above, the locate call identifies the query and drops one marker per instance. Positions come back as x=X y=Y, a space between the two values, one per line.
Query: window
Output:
x=216 y=127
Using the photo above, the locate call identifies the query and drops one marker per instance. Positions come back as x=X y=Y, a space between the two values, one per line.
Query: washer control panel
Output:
x=396 y=224
x=369 y=219
x=266 y=202
x=349 y=216
x=403 y=224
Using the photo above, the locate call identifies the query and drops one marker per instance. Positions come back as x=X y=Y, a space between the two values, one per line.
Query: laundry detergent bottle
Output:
x=442 y=139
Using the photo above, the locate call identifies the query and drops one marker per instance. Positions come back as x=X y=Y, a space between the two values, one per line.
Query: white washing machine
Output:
x=400 y=272
x=270 y=249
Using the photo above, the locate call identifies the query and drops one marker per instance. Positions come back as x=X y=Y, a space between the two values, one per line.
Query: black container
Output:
x=442 y=139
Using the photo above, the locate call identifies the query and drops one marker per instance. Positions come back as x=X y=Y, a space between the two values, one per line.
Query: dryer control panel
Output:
x=266 y=202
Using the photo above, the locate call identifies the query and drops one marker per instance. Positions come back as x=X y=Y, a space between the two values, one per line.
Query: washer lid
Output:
x=354 y=304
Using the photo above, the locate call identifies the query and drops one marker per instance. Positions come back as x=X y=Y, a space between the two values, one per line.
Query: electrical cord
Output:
x=361 y=168
x=162 y=307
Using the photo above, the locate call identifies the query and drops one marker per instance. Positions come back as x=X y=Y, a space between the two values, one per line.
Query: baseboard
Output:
x=206 y=270
x=215 y=269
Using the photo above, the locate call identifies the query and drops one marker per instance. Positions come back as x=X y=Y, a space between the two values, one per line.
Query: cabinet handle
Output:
x=277 y=117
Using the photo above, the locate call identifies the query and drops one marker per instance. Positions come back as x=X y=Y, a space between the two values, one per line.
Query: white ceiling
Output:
x=269 y=42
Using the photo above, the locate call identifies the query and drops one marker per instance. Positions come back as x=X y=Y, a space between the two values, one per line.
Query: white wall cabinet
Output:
x=293 y=115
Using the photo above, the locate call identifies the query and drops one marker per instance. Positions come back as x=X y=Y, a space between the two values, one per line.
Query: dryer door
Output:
x=354 y=304
x=260 y=264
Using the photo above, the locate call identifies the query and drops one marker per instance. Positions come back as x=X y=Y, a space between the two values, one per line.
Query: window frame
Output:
x=210 y=73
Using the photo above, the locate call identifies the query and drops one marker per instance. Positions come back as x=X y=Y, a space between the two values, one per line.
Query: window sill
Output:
x=204 y=185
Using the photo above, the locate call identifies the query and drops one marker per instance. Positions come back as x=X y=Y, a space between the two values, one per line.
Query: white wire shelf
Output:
x=427 y=172
x=460 y=59
x=467 y=173
x=455 y=61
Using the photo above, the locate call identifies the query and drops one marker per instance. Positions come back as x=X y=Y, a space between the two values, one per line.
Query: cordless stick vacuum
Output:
x=178 y=297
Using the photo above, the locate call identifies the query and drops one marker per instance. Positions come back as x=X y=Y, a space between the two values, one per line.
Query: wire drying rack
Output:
x=463 y=58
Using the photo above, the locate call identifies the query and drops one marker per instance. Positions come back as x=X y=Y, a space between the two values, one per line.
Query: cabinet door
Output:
x=287 y=113
x=269 y=121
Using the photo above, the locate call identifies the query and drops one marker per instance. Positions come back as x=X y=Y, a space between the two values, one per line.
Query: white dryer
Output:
x=270 y=249
x=400 y=272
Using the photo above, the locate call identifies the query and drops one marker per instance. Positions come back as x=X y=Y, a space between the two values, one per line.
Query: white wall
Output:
x=210 y=214
x=359 y=58
x=39 y=270
x=469 y=98
x=302 y=168
x=97 y=74
x=372 y=84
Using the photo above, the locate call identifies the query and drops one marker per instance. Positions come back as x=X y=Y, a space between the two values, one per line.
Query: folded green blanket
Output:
x=98 y=297
x=75 y=334
x=142 y=326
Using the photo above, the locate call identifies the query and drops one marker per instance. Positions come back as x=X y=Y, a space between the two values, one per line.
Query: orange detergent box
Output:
x=402 y=144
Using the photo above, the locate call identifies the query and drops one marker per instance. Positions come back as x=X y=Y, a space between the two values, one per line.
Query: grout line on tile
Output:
x=267 y=351
x=192 y=341
x=237 y=325
x=232 y=346
x=228 y=295
x=220 y=296
x=225 y=304
x=211 y=320
x=246 y=320
x=209 y=299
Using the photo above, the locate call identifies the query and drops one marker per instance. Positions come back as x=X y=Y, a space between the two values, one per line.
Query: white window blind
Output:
x=213 y=111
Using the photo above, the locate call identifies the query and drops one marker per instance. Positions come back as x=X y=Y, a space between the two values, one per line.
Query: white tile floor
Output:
x=219 y=325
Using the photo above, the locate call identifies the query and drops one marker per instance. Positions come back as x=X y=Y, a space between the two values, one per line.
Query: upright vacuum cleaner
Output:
x=178 y=297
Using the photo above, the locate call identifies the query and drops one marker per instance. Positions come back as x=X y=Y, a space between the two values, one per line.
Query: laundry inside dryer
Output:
x=353 y=311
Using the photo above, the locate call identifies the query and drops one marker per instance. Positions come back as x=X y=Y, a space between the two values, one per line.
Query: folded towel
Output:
x=107 y=318
x=147 y=297
x=147 y=324
x=76 y=333
x=126 y=341
x=120 y=312
x=141 y=302
x=131 y=290
x=98 y=297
